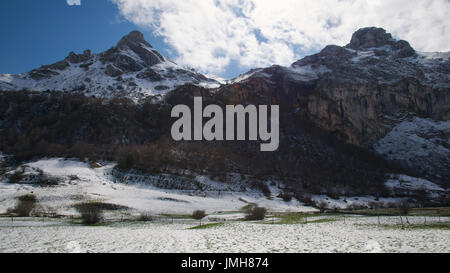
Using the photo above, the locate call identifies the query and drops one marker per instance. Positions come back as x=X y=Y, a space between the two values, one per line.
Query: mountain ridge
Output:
x=132 y=68
x=376 y=93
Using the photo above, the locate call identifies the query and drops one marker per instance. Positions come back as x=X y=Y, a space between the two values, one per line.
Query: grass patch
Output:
x=445 y=211
x=107 y=206
x=325 y=220
x=80 y=221
x=434 y=226
x=299 y=218
x=207 y=226
x=290 y=218
x=177 y=216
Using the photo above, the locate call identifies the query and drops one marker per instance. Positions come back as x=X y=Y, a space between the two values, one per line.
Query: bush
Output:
x=144 y=217
x=374 y=205
x=126 y=161
x=265 y=190
x=304 y=198
x=256 y=213
x=25 y=205
x=16 y=177
x=48 y=181
x=404 y=208
x=198 y=214
x=286 y=196
x=91 y=213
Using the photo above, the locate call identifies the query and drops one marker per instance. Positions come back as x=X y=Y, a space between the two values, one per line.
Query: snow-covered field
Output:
x=80 y=181
x=97 y=184
x=356 y=234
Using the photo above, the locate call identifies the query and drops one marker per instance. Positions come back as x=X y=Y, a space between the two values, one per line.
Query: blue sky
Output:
x=220 y=37
x=37 y=32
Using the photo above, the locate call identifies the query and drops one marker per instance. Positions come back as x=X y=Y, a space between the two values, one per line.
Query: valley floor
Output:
x=290 y=226
x=320 y=234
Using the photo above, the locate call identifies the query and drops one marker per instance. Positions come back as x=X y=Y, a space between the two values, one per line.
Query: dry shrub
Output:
x=256 y=213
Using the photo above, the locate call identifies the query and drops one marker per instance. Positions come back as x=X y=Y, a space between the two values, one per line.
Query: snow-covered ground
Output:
x=80 y=181
x=356 y=234
x=168 y=194
x=405 y=182
x=99 y=184
x=358 y=202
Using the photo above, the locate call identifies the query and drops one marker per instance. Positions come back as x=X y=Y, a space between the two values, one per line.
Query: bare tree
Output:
x=404 y=209
x=199 y=215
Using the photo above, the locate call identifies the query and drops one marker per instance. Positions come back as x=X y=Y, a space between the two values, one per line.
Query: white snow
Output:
x=98 y=184
x=95 y=82
x=355 y=234
x=427 y=56
x=244 y=76
x=405 y=182
x=363 y=54
x=359 y=201
x=335 y=234
x=307 y=72
x=417 y=142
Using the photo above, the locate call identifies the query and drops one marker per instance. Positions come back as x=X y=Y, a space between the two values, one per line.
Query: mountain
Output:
x=133 y=69
x=376 y=92
x=352 y=118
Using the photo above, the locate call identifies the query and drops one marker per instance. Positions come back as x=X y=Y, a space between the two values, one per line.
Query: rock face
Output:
x=360 y=92
x=132 y=68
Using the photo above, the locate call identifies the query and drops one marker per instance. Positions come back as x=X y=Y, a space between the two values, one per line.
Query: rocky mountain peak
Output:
x=134 y=42
x=370 y=37
x=134 y=38
x=373 y=37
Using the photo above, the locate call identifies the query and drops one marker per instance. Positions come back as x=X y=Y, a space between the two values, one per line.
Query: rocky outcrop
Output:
x=112 y=71
x=79 y=58
x=372 y=37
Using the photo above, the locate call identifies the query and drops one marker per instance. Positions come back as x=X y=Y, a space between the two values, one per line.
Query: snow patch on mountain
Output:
x=420 y=144
x=307 y=72
x=405 y=182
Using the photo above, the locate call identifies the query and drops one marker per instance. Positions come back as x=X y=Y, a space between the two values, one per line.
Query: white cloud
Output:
x=73 y=2
x=210 y=34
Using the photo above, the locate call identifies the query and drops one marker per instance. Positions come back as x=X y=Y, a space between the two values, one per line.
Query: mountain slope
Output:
x=339 y=110
x=133 y=69
x=361 y=92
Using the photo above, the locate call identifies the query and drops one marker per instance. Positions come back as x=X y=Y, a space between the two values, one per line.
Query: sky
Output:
x=216 y=37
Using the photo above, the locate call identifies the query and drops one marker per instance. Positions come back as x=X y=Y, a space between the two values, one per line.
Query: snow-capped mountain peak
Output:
x=372 y=56
x=132 y=68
